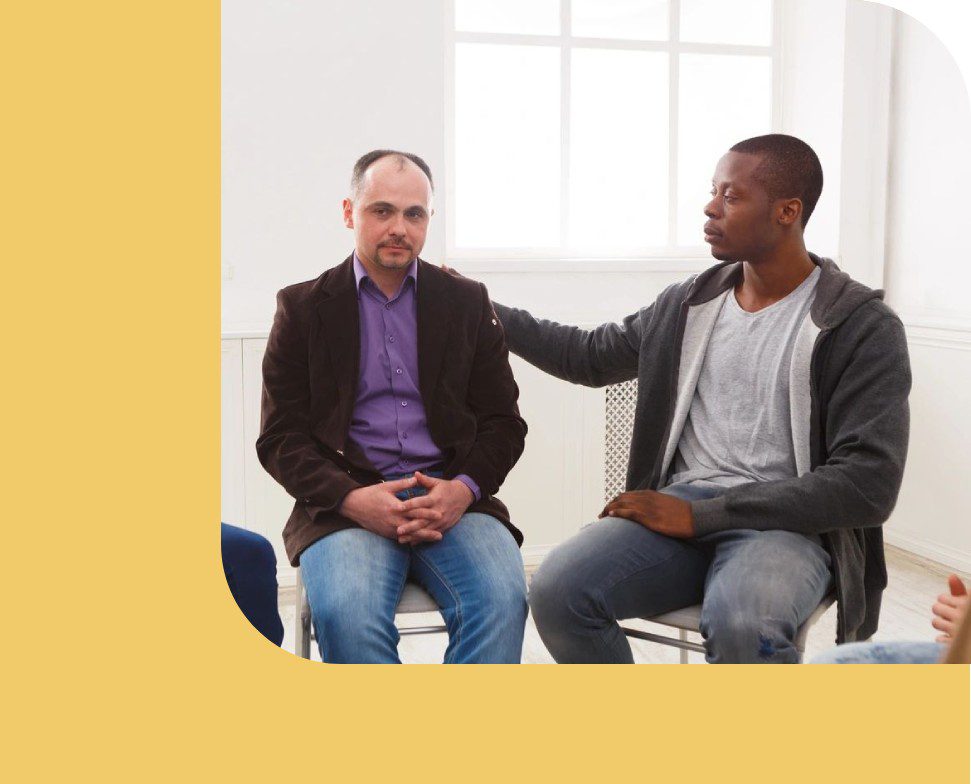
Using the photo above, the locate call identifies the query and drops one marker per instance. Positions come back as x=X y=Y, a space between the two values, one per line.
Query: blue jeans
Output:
x=883 y=653
x=756 y=588
x=354 y=579
x=250 y=568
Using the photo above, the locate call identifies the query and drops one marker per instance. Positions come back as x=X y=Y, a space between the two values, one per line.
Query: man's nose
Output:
x=711 y=208
x=398 y=226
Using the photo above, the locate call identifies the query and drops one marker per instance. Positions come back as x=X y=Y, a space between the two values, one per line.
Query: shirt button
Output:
x=404 y=435
x=404 y=403
x=398 y=371
x=391 y=338
x=388 y=306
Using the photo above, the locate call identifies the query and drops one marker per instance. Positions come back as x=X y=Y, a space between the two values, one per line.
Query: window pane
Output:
x=717 y=22
x=645 y=20
x=532 y=17
x=618 y=150
x=724 y=99
x=507 y=146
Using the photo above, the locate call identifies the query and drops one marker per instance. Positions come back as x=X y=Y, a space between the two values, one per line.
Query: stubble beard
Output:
x=393 y=263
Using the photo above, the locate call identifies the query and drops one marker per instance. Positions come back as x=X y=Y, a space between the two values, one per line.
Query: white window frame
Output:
x=671 y=258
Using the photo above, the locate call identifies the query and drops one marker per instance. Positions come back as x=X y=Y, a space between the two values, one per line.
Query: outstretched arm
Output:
x=594 y=358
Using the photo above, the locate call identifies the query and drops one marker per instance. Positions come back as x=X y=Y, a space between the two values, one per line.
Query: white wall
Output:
x=928 y=274
x=308 y=87
x=928 y=278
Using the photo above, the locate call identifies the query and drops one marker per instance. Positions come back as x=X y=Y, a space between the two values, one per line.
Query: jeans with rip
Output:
x=756 y=588
x=354 y=579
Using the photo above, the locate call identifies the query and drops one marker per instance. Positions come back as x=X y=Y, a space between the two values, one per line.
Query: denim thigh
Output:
x=354 y=579
x=476 y=558
x=475 y=574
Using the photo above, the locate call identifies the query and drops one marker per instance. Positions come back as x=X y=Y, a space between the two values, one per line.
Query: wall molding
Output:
x=477 y=265
x=938 y=333
x=942 y=554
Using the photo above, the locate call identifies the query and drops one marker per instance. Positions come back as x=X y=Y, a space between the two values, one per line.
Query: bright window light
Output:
x=507 y=146
x=645 y=20
x=600 y=121
x=618 y=150
x=533 y=17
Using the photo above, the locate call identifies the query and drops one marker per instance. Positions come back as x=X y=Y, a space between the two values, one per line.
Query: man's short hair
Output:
x=365 y=161
x=789 y=169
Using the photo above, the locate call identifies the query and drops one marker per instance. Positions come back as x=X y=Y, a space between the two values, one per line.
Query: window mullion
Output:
x=777 y=64
x=565 y=121
x=674 y=32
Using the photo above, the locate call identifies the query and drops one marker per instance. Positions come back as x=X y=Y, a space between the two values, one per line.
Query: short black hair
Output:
x=790 y=168
x=365 y=161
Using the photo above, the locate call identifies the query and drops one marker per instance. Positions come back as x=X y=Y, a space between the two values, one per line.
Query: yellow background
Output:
x=125 y=656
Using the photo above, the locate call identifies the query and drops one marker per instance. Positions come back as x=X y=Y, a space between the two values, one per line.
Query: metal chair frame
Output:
x=688 y=619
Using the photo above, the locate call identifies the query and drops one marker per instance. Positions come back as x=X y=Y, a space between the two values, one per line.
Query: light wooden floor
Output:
x=914 y=584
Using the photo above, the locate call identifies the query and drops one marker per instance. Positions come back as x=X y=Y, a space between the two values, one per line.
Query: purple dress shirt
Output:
x=388 y=422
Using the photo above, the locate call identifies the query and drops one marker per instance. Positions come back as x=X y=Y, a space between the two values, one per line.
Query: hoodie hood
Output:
x=837 y=294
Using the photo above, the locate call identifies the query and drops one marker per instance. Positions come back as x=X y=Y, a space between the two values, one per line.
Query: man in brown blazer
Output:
x=389 y=414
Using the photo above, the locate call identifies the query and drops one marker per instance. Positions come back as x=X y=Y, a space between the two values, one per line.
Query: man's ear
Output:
x=348 y=206
x=790 y=211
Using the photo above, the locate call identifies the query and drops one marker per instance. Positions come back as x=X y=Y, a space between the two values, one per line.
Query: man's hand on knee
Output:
x=436 y=512
x=660 y=512
x=377 y=509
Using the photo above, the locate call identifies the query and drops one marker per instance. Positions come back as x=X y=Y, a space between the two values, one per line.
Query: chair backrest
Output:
x=620 y=406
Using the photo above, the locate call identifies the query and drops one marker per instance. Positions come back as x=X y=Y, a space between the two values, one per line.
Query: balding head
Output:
x=387 y=157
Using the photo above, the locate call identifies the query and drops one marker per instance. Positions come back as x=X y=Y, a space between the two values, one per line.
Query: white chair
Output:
x=688 y=619
x=620 y=401
x=414 y=599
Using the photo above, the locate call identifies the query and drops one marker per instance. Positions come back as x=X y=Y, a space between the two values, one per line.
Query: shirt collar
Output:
x=360 y=274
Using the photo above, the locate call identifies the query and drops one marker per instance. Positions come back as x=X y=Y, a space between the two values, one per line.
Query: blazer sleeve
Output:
x=500 y=431
x=286 y=446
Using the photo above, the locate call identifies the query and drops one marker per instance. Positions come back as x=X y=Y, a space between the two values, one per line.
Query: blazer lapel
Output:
x=434 y=315
x=340 y=335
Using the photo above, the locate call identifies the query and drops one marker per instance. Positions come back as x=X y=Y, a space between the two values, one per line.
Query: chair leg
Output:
x=305 y=640
x=683 y=656
x=301 y=627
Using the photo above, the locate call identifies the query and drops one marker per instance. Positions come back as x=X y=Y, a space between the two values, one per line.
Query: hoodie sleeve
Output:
x=605 y=355
x=864 y=426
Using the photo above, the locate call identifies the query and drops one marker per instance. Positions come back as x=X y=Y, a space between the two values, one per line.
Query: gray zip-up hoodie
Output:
x=849 y=380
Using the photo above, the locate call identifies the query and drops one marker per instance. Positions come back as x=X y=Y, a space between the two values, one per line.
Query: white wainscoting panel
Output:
x=933 y=513
x=267 y=504
x=549 y=492
x=232 y=507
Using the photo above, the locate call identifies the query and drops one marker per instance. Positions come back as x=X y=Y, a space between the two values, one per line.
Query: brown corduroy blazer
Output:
x=310 y=375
